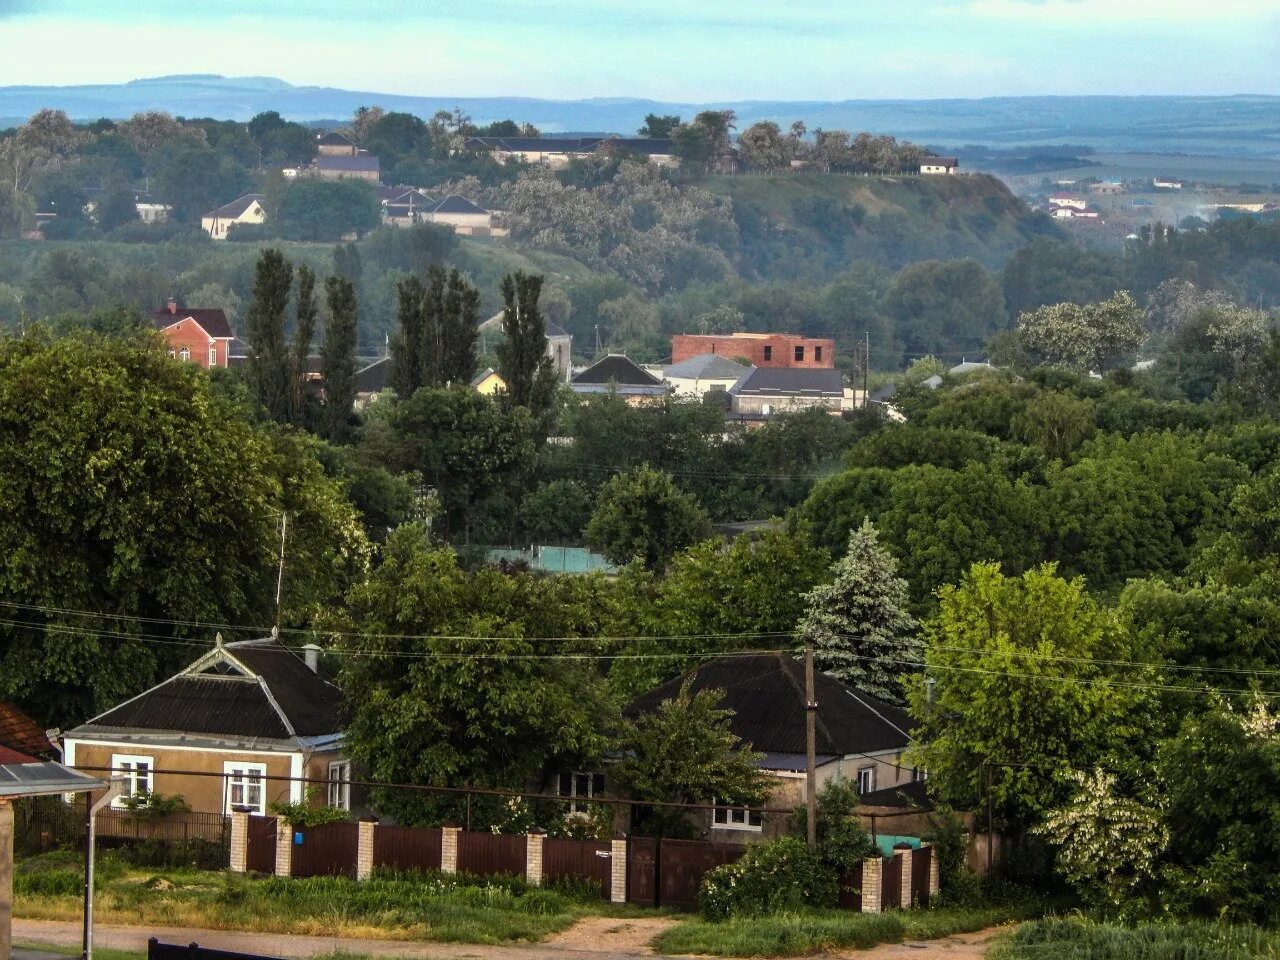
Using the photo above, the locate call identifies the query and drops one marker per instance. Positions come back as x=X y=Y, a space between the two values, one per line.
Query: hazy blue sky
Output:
x=668 y=49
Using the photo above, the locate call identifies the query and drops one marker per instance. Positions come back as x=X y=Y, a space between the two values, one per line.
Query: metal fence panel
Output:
x=586 y=859
x=407 y=848
x=851 y=890
x=891 y=884
x=260 y=853
x=486 y=854
x=327 y=850
x=642 y=874
x=921 y=860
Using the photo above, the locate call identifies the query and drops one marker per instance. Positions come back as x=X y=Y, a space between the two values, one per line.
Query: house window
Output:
x=736 y=818
x=137 y=776
x=184 y=354
x=246 y=786
x=213 y=356
x=817 y=354
x=580 y=785
x=340 y=784
x=799 y=354
x=919 y=774
x=768 y=352
x=866 y=780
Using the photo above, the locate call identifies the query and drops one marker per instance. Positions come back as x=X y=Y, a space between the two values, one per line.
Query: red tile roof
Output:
x=18 y=732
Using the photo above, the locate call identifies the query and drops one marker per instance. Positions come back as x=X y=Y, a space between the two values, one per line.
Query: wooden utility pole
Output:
x=866 y=368
x=810 y=750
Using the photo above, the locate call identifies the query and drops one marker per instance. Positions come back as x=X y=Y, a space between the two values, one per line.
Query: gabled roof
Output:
x=334 y=139
x=253 y=688
x=374 y=377
x=20 y=734
x=236 y=208
x=615 y=368
x=790 y=382
x=484 y=375
x=939 y=162
x=706 y=366
x=766 y=693
x=212 y=319
x=361 y=163
x=456 y=204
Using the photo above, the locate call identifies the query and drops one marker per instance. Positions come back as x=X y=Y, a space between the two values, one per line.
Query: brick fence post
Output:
x=935 y=872
x=905 y=876
x=533 y=858
x=618 y=871
x=239 y=842
x=871 y=870
x=449 y=849
x=364 y=849
x=284 y=847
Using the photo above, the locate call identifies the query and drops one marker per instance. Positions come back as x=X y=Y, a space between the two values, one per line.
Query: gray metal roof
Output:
x=43 y=779
x=790 y=382
x=706 y=366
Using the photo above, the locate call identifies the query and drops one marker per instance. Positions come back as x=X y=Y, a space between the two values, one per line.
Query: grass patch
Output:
x=814 y=931
x=65 y=950
x=1079 y=938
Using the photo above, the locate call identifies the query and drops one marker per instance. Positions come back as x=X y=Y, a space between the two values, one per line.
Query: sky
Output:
x=681 y=50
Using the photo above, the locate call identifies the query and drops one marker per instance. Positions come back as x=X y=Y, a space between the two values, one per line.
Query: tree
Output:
x=945 y=307
x=328 y=209
x=859 y=624
x=1084 y=338
x=136 y=489
x=117 y=205
x=195 y=178
x=764 y=147
x=842 y=842
x=458 y=327
x=407 y=342
x=523 y=363
x=722 y=319
x=338 y=358
x=436 y=698
x=643 y=514
x=685 y=752
x=304 y=324
x=1055 y=421
x=1023 y=692
x=269 y=365
x=659 y=126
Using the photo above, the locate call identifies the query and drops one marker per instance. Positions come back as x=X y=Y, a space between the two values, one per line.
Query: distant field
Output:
x=1226 y=170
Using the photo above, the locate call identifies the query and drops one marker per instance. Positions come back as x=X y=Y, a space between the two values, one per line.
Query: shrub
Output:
x=304 y=814
x=779 y=874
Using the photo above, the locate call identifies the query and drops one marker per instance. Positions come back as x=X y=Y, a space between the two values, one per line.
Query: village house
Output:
x=1163 y=183
x=467 y=217
x=371 y=380
x=702 y=374
x=238 y=729
x=939 y=165
x=201 y=335
x=559 y=344
x=557 y=152
x=404 y=206
x=859 y=738
x=1067 y=201
x=363 y=166
x=766 y=391
x=243 y=210
x=1107 y=187
x=619 y=375
x=488 y=382
x=757 y=349
x=334 y=144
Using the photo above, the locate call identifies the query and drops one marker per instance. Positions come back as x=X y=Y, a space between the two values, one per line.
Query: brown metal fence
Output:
x=578 y=859
x=668 y=873
x=260 y=852
x=921 y=860
x=328 y=850
x=407 y=848
x=891 y=883
x=851 y=890
x=486 y=854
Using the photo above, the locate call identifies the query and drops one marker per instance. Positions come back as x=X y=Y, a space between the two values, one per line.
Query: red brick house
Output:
x=758 y=349
x=200 y=335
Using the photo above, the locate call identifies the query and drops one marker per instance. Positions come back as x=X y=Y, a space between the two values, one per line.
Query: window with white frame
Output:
x=136 y=772
x=340 y=784
x=246 y=786
x=184 y=354
x=736 y=818
x=213 y=355
x=582 y=786
x=866 y=780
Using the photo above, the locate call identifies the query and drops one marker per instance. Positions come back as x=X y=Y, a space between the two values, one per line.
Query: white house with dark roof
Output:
x=939 y=165
x=228 y=732
x=363 y=166
x=616 y=374
x=701 y=374
x=769 y=390
x=246 y=209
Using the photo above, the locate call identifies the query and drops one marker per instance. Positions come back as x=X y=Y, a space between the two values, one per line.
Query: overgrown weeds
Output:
x=1081 y=938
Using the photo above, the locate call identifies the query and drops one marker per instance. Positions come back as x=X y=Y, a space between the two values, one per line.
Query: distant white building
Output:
x=246 y=209
x=1067 y=200
x=1163 y=184
x=701 y=374
x=939 y=165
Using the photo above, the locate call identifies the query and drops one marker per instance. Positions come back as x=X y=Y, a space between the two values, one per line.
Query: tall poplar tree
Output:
x=269 y=361
x=459 y=330
x=305 y=311
x=338 y=358
x=861 y=630
x=523 y=363
x=407 y=343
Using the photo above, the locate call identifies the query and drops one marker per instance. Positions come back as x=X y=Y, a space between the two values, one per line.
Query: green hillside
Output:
x=812 y=225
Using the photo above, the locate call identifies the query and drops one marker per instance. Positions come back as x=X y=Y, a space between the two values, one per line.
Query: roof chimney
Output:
x=311 y=656
x=172 y=304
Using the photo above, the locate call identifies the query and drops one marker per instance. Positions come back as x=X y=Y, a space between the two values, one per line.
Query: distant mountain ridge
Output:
x=1240 y=125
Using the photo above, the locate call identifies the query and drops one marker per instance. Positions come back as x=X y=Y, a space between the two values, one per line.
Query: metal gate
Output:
x=921 y=859
x=891 y=883
x=573 y=859
x=260 y=855
x=668 y=873
x=328 y=850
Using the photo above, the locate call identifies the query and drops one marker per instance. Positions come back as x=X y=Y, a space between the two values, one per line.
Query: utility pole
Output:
x=284 y=526
x=810 y=750
x=866 y=368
